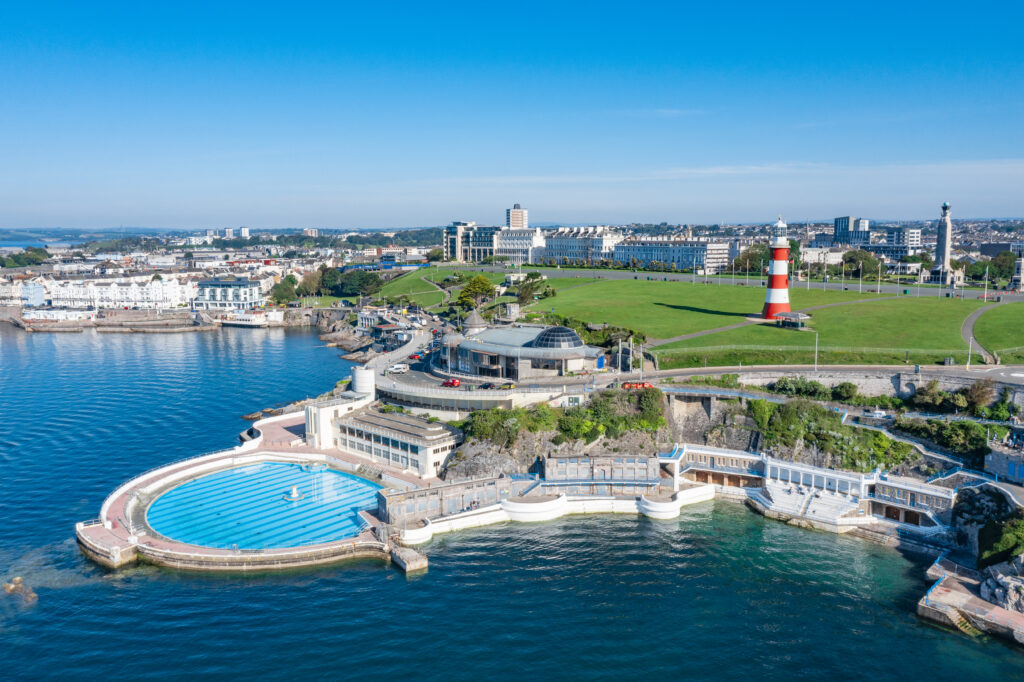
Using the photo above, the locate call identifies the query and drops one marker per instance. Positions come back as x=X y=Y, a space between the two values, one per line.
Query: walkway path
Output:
x=967 y=332
x=447 y=294
x=751 y=320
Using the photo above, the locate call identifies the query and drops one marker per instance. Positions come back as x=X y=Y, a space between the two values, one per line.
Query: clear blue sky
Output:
x=177 y=115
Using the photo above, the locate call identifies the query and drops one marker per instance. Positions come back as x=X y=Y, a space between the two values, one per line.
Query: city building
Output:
x=904 y=236
x=467 y=242
x=143 y=293
x=704 y=256
x=519 y=246
x=581 y=245
x=229 y=233
x=993 y=249
x=243 y=232
x=310 y=232
x=516 y=218
x=33 y=295
x=518 y=352
x=229 y=294
x=850 y=230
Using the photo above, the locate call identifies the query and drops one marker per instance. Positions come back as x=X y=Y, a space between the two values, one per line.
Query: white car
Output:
x=400 y=368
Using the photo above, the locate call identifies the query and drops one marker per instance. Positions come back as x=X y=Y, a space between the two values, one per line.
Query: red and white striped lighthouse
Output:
x=776 y=299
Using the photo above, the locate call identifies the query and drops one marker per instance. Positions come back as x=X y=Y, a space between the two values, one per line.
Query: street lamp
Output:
x=815 y=350
x=879 y=277
x=860 y=277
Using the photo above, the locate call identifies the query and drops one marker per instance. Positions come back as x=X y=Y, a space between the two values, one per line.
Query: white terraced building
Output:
x=519 y=246
x=581 y=245
x=683 y=254
x=148 y=294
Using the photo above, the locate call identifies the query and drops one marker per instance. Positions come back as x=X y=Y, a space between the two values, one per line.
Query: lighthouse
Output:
x=776 y=299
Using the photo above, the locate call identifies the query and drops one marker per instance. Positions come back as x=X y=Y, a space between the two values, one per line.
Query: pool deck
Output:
x=120 y=535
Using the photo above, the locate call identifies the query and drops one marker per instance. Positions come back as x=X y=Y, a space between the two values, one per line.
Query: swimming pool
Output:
x=245 y=507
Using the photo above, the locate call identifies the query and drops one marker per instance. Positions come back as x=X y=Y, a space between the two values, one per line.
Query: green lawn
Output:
x=869 y=332
x=1002 y=328
x=321 y=301
x=663 y=310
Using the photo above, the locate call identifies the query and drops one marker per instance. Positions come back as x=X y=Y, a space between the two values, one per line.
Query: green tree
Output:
x=475 y=291
x=858 y=258
x=435 y=255
x=310 y=284
x=980 y=394
x=752 y=257
x=1003 y=264
x=329 y=280
x=156 y=277
x=284 y=291
x=845 y=391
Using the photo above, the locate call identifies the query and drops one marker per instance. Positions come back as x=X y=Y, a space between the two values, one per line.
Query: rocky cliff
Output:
x=1003 y=584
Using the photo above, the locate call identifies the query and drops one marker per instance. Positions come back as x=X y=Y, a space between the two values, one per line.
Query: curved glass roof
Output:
x=558 y=337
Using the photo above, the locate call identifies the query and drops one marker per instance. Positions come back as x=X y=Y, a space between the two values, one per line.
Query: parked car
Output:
x=487 y=386
x=415 y=356
x=400 y=368
x=451 y=383
x=636 y=385
x=507 y=386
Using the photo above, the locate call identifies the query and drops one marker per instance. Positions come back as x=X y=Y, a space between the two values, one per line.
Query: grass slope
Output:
x=1002 y=328
x=663 y=310
x=867 y=332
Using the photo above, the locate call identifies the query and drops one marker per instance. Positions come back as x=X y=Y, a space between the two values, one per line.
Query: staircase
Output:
x=964 y=625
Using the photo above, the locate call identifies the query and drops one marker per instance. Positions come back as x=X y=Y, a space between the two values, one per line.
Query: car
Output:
x=507 y=386
x=415 y=356
x=400 y=368
x=451 y=383
x=636 y=385
x=487 y=386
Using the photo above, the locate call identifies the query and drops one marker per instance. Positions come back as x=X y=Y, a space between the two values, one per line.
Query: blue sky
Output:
x=350 y=115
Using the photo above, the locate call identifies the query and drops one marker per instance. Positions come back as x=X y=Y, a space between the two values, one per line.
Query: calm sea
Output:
x=720 y=593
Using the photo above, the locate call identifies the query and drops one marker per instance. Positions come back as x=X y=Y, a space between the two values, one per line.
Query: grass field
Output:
x=921 y=331
x=663 y=310
x=1002 y=328
x=421 y=292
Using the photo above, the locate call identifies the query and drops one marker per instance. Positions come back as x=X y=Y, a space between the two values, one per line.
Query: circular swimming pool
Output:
x=269 y=505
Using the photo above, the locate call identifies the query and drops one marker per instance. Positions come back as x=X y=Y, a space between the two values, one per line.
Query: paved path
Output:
x=967 y=332
x=445 y=292
x=751 y=320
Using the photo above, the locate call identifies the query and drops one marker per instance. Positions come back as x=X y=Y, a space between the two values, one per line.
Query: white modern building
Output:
x=521 y=246
x=581 y=245
x=229 y=294
x=243 y=232
x=704 y=256
x=229 y=233
x=467 y=242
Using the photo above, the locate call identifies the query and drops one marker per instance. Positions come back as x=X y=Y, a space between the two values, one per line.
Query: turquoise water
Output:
x=720 y=593
x=243 y=508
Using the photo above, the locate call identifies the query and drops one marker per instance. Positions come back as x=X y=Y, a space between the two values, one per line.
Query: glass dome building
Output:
x=520 y=352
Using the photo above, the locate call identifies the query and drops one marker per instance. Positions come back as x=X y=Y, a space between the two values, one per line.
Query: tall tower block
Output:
x=776 y=299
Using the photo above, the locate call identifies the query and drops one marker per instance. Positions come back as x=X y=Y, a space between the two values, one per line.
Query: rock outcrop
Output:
x=1004 y=584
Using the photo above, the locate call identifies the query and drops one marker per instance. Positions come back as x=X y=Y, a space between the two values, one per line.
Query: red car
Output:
x=452 y=383
x=636 y=386
x=415 y=356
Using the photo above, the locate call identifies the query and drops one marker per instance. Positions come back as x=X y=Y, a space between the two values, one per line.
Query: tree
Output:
x=1003 y=264
x=794 y=253
x=752 y=256
x=310 y=284
x=283 y=291
x=329 y=278
x=980 y=394
x=861 y=259
x=435 y=255
x=475 y=291
x=156 y=277
x=357 y=283
x=845 y=391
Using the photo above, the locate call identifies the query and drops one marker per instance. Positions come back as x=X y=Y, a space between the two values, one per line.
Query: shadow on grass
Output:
x=706 y=311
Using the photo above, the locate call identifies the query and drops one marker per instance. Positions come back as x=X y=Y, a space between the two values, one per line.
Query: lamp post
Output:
x=879 y=277
x=815 y=350
x=860 y=277
x=985 y=296
x=747 y=276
